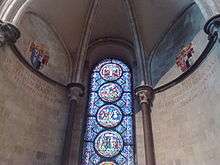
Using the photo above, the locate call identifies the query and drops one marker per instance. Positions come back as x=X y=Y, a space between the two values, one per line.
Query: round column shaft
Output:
x=145 y=96
x=75 y=91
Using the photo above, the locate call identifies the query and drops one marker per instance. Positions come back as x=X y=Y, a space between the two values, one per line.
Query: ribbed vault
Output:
x=110 y=19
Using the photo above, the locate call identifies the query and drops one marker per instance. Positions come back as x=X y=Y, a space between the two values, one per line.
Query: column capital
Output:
x=145 y=94
x=9 y=33
x=75 y=90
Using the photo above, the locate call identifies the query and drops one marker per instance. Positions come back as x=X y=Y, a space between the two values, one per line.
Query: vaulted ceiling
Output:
x=153 y=18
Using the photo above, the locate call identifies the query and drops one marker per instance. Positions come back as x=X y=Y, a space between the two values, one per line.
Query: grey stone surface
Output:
x=34 y=28
x=186 y=117
x=32 y=114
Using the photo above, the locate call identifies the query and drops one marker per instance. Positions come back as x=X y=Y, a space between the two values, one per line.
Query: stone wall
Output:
x=186 y=117
x=33 y=115
x=34 y=28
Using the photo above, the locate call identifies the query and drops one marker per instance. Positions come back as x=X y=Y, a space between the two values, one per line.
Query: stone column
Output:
x=145 y=96
x=75 y=91
x=9 y=33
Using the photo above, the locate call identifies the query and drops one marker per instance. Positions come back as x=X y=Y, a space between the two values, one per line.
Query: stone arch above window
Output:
x=109 y=133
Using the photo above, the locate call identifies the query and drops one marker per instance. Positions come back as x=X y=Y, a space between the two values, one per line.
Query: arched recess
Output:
x=35 y=28
x=110 y=48
x=105 y=48
x=164 y=55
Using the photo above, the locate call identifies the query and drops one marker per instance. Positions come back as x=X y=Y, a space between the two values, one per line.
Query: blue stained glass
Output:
x=111 y=72
x=125 y=83
x=98 y=67
x=89 y=155
x=93 y=110
x=95 y=159
x=93 y=98
x=108 y=143
x=100 y=82
x=92 y=128
x=125 y=129
x=128 y=134
x=109 y=136
x=99 y=103
x=125 y=103
x=120 y=159
x=121 y=129
x=124 y=67
x=128 y=152
x=96 y=82
x=94 y=103
x=110 y=92
x=109 y=116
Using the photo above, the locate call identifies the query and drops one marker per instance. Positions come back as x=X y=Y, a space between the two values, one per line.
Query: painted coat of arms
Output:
x=185 y=59
x=39 y=55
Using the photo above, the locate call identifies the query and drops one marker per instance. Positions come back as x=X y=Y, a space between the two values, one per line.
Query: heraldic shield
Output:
x=39 y=55
x=185 y=59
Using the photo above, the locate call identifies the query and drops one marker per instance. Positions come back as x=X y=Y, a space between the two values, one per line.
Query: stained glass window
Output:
x=109 y=134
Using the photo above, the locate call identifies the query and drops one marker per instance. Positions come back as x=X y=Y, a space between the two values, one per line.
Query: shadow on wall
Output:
x=182 y=32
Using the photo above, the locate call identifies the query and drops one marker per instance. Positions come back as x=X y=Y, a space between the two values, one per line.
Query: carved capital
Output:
x=75 y=91
x=9 y=33
x=145 y=94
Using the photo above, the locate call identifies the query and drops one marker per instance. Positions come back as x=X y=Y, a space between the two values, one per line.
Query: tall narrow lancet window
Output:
x=109 y=133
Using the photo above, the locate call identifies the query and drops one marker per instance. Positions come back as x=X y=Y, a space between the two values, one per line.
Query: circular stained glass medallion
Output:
x=108 y=143
x=109 y=116
x=107 y=163
x=110 y=92
x=111 y=72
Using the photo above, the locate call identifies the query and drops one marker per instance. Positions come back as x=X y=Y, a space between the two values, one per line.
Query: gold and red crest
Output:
x=39 y=55
x=185 y=58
